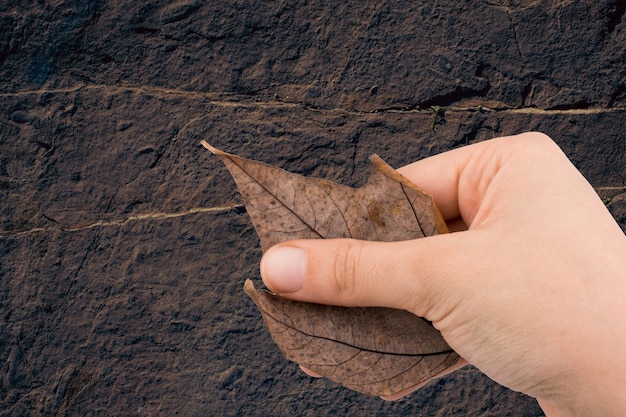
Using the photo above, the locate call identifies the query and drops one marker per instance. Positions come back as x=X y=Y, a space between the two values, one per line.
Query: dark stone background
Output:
x=123 y=243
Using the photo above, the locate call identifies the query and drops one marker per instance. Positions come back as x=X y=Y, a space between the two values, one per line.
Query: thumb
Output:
x=410 y=275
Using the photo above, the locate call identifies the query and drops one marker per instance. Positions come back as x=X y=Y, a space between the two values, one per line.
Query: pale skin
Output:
x=530 y=288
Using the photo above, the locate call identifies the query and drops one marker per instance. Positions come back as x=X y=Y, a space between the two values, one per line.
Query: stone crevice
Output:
x=136 y=217
x=258 y=102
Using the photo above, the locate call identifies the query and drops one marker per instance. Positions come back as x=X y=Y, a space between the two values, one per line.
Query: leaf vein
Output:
x=426 y=354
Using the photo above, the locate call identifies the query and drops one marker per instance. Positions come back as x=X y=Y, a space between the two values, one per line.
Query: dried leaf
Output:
x=376 y=351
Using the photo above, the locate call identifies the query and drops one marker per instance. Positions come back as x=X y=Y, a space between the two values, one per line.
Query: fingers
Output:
x=415 y=275
x=459 y=178
x=356 y=273
x=409 y=275
x=341 y=272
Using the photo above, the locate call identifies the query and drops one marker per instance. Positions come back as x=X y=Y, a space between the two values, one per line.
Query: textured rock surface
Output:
x=123 y=243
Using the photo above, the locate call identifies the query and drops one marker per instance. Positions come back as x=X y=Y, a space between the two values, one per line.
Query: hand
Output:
x=531 y=288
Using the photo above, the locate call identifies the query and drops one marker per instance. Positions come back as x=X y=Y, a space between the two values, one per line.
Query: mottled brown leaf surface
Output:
x=376 y=351
x=285 y=206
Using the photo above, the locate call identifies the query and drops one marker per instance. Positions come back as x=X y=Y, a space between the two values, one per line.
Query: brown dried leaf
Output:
x=376 y=351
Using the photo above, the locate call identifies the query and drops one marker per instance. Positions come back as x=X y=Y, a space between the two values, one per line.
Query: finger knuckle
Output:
x=346 y=269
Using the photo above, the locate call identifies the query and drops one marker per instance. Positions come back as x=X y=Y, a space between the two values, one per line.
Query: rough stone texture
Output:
x=123 y=243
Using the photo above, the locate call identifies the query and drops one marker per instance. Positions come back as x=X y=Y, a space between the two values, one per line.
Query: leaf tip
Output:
x=204 y=143
x=248 y=287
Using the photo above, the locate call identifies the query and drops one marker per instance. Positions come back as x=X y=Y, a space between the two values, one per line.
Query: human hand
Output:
x=530 y=289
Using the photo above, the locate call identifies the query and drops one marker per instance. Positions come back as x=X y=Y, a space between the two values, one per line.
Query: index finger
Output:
x=457 y=179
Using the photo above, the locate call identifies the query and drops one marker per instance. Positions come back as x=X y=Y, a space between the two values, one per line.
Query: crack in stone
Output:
x=240 y=102
x=136 y=217
x=589 y=110
x=212 y=97
x=602 y=191
x=519 y=50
